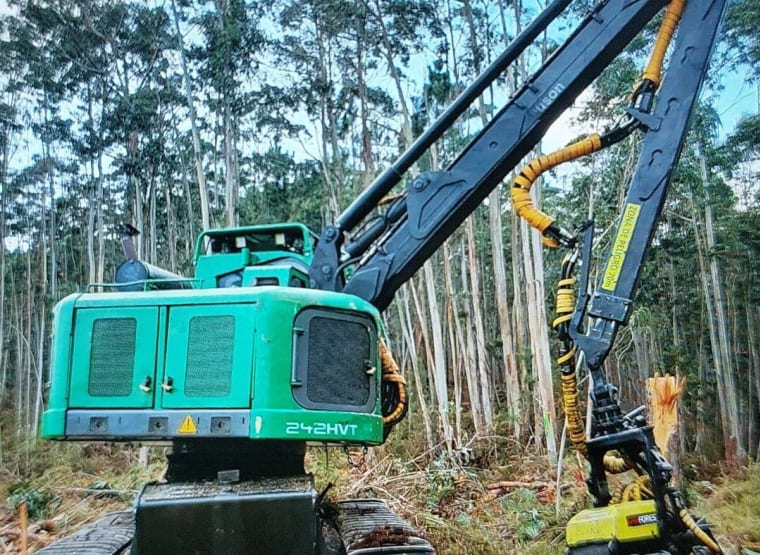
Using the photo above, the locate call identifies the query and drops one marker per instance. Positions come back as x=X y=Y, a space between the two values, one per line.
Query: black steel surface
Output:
x=201 y=459
x=437 y=203
x=661 y=148
x=272 y=516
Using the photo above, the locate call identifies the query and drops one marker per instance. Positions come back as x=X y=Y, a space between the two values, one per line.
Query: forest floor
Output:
x=493 y=503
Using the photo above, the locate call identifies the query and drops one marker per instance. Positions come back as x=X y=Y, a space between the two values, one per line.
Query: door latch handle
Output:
x=168 y=384
x=145 y=386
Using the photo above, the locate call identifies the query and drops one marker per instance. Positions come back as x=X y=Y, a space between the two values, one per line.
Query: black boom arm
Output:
x=436 y=203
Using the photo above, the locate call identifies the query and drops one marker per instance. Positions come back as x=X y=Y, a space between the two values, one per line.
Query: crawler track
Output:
x=368 y=527
x=111 y=535
x=365 y=527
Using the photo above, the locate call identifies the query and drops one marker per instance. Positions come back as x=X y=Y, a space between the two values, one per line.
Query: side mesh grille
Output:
x=334 y=360
x=339 y=356
x=210 y=347
x=112 y=357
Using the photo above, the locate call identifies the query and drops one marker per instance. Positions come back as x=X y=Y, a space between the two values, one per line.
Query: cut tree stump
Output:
x=663 y=393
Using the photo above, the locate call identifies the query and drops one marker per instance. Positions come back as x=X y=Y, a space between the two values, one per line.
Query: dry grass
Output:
x=453 y=502
x=499 y=500
x=66 y=486
x=732 y=505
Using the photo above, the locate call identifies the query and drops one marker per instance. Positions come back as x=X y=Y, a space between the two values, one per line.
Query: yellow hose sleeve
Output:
x=653 y=71
x=701 y=535
x=575 y=429
x=391 y=374
x=565 y=303
x=615 y=465
x=521 y=200
x=617 y=497
x=567 y=357
x=643 y=483
x=628 y=493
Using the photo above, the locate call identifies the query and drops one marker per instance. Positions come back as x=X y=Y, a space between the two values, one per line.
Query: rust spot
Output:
x=379 y=537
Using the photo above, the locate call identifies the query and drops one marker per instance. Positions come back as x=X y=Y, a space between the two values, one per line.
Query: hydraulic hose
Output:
x=700 y=534
x=643 y=95
x=653 y=70
x=565 y=306
x=633 y=491
x=523 y=203
x=575 y=429
x=393 y=378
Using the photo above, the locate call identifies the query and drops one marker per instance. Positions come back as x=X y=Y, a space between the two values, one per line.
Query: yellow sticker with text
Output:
x=188 y=426
x=620 y=246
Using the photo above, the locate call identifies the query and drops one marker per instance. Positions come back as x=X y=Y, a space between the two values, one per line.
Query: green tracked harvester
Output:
x=238 y=367
x=277 y=340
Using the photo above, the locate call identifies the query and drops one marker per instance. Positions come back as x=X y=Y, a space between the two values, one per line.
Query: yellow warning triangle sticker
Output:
x=187 y=426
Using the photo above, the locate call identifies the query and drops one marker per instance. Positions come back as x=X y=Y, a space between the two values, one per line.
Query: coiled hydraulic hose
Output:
x=642 y=98
x=523 y=203
x=553 y=235
x=394 y=388
x=565 y=306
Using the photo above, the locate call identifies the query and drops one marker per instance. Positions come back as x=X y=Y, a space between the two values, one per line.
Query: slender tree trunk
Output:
x=736 y=454
x=21 y=350
x=520 y=322
x=91 y=265
x=53 y=276
x=429 y=350
x=710 y=311
x=171 y=227
x=750 y=417
x=521 y=300
x=188 y=231
x=29 y=359
x=387 y=51
x=99 y=212
x=753 y=376
x=471 y=364
x=408 y=331
x=366 y=136
x=199 y=173
x=39 y=366
x=484 y=377
x=539 y=338
x=231 y=180
x=458 y=347
x=3 y=201
x=439 y=355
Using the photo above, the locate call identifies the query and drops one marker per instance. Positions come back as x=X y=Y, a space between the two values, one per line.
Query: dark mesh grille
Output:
x=112 y=357
x=210 y=346
x=338 y=354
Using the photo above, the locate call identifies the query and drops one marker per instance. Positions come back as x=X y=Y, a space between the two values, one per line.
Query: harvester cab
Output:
x=278 y=254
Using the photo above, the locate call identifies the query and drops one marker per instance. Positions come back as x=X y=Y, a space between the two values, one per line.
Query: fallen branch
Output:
x=98 y=492
x=507 y=485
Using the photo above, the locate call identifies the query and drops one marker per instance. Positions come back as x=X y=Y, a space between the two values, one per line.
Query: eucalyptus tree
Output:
x=286 y=190
x=229 y=64
x=29 y=206
x=9 y=132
